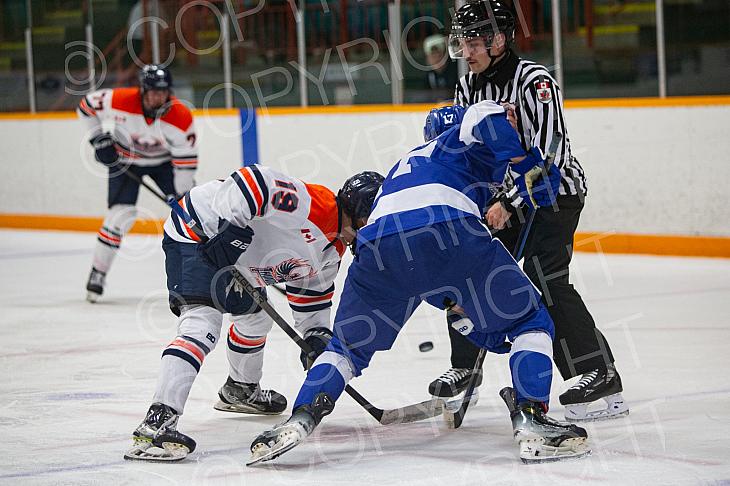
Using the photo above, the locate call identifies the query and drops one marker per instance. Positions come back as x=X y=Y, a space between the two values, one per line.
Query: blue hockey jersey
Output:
x=449 y=177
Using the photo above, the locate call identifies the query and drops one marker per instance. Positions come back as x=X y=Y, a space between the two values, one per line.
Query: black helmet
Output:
x=482 y=18
x=358 y=194
x=153 y=77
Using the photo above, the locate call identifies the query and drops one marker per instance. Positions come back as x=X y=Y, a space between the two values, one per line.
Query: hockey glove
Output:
x=529 y=182
x=224 y=249
x=544 y=191
x=104 y=149
x=317 y=338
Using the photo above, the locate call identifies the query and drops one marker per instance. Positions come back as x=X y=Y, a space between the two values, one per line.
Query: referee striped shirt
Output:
x=539 y=109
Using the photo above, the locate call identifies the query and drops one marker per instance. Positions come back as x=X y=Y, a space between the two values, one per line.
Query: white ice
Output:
x=77 y=379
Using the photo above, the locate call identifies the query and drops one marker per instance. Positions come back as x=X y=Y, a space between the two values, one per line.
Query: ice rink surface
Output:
x=77 y=379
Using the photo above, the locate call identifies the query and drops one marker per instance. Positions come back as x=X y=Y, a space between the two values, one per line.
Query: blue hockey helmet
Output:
x=357 y=195
x=441 y=119
x=154 y=77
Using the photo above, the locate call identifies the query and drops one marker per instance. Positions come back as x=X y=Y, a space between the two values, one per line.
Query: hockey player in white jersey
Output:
x=153 y=134
x=272 y=228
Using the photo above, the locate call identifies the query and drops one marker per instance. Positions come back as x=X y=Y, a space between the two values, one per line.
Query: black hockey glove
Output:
x=104 y=149
x=317 y=338
x=224 y=249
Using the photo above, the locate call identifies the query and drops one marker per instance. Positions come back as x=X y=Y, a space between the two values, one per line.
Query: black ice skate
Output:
x=95 y=285
x=541 y=438
x=452 y=382
x=156 y=438
x=249 y=398
x=593 y=386
x=285 y=436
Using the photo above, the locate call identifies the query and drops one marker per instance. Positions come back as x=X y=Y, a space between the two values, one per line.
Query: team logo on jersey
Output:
x=544 y=93
x=286 y=271
x=146 y=144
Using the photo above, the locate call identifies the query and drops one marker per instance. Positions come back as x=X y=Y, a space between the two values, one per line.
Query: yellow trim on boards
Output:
x=671 y=101
x=72 y=223
x=608 y=242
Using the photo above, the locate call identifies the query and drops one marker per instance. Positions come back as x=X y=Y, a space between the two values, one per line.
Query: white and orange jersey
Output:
x=139 y=140
x=295 y=234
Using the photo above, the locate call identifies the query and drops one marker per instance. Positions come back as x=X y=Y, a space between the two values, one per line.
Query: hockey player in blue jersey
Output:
x=424 y=241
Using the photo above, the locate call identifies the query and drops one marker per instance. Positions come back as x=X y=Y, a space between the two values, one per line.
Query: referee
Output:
x=482 y=33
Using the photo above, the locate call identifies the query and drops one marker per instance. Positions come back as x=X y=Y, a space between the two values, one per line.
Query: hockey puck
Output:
x=425 y=346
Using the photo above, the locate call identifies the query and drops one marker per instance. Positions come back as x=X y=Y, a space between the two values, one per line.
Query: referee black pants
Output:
x=579 y=346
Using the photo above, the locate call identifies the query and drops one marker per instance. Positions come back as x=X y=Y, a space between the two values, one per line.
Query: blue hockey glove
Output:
x=544 y=192
x=224 y=249
x=530 y=183
x=317 y=338
x=104 y=149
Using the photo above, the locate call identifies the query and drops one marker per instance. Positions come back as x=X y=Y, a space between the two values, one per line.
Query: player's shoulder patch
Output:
x=127 y=100
x=178 y=115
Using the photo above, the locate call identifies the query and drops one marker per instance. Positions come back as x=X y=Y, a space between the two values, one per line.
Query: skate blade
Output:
x=263 y=453
x=144 y=450
x=616 y=408
x=597 y=416
x=536 y=452
x=92 y=297
x=229 y=407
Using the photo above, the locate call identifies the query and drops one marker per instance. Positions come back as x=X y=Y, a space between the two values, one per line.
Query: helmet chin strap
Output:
x=340 y=212
x=495 y=62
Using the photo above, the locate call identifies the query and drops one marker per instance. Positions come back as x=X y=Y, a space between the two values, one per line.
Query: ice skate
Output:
x=542 y=439
x=452 y=382
x=95 y=285
x=249 y=398
x=156 y=438
x=593 y=386
x=285 y=436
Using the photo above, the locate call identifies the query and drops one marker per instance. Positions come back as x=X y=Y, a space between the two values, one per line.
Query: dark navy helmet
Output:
x=441 y=119
x=154 y=77
x=358 y=194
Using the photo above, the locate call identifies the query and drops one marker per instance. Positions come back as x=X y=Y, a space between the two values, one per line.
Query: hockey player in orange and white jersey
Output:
x=272 y=228
x=153 y=134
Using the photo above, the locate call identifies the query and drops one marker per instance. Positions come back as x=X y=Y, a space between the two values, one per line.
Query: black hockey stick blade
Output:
x=454 y=419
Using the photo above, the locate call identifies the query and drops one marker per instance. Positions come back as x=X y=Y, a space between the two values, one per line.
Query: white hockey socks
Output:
x=118 y=221
x=245 y=350
x=198 y=332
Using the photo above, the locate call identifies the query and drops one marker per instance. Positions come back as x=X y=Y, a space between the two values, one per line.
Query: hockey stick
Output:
x=454 y=419
x=167 y=200
x=410 y=413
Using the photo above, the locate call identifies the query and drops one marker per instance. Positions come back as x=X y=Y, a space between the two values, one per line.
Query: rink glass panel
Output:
x=13 y=65
x=609 y=48
x=698 y=47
